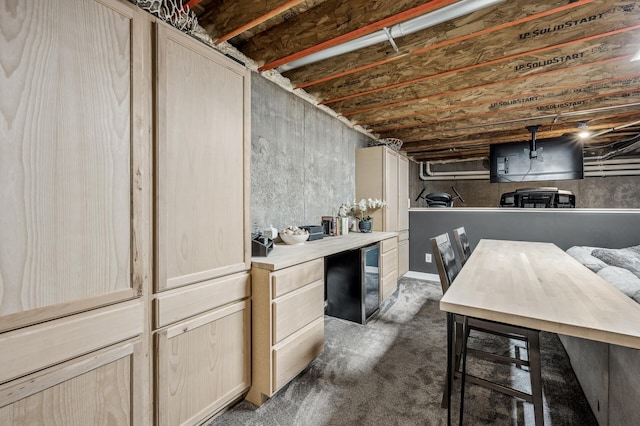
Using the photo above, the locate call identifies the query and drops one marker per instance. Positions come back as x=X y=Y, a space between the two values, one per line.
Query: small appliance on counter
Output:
x=260 y=246
x=316 y=232
x=329 y=225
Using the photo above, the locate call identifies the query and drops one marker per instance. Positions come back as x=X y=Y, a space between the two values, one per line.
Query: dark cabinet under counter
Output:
x=352 y=284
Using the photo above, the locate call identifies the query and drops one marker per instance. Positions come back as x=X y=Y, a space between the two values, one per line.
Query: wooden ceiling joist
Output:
x=490 y=63
x=259 y=20
x=503 y=46
x=317 y=44
x=535 y=80
x=448 y=101
x=626 y=89
x=621 y=101
x=296 y=76
x=510 y=132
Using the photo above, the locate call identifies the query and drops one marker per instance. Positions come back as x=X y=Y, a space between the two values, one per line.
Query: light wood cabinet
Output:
x=403 y=193
x=105 y=384
x=377 y=177
x=383 y=173
x=288 y=325
x=75 y=192
x=203 y=151
x=77 y=302
x=72 y=213
x=403 y=215
x=202 y=364
x=388 y=267
x=201 y=307
x=403 y=253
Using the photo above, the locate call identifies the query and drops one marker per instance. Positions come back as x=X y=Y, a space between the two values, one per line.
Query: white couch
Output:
x=609 y=374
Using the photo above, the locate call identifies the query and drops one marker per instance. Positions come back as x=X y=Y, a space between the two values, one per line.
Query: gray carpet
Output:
x=391 y=372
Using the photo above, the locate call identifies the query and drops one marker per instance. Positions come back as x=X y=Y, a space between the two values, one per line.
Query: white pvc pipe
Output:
x=619 y=167
x=612 y=167
x=427 y=20
x=613 y=173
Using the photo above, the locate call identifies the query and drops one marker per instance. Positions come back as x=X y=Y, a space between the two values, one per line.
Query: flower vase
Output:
x=365 y=226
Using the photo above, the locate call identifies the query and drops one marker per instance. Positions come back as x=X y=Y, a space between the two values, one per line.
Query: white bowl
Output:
x=294 y=239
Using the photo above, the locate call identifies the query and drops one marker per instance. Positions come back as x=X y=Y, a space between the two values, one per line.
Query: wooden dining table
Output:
x=539 y=286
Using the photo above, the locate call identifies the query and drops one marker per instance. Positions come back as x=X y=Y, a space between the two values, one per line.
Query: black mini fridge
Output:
x=352 y=284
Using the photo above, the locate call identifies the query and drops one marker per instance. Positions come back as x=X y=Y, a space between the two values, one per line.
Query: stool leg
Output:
x=536 y=376
x=465 y=328
x=446 y=398
x=458 y=341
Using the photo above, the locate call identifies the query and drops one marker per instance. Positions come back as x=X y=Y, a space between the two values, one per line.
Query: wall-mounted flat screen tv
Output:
x=552 y=159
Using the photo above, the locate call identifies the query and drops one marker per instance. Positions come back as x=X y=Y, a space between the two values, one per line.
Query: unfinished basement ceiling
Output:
x=452 y=89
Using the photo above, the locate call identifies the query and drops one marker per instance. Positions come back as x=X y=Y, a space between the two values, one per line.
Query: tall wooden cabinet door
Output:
x=202 y=364
x=403 y=193
x=100 y=388
x=390 y=190
x=72 y=209
x=377 y=177
x=202 y=155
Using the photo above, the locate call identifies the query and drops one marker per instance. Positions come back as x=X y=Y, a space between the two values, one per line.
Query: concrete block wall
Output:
x=302 y=159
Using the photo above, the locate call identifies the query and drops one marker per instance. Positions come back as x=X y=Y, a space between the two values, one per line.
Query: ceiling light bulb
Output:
x=584 y=130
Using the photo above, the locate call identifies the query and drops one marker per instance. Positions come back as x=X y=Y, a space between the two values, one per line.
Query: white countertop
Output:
x=283 y=256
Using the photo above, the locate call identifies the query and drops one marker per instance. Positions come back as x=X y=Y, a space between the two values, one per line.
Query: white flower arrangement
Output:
x=366 y=205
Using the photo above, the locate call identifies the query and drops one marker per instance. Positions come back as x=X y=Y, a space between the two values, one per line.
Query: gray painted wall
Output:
x=302 y=159
x=563 y=227
x=595 y=192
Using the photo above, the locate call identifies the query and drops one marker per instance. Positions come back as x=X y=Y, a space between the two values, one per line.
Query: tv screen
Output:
x=553 y=159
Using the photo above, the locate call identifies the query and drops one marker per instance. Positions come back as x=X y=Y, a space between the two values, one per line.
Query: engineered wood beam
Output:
x=631 y=101
x=330 y=23
x=529 y=107
x=505 y=45
x=470 y=26
x=231 y=19
x=586 y=50
x=505 y=98
x=513 y=133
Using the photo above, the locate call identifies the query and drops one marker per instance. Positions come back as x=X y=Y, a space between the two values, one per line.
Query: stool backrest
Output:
x=462 y=243
x=445 y=259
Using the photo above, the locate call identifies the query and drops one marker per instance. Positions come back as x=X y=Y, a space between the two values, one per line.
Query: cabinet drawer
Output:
x=403 y=235
x=388 y=244
x=294 y=354
x=297 y=309
x=67 y=338
x=389 y=262
x=297 y=276
x=194 y=299
x=388 y=284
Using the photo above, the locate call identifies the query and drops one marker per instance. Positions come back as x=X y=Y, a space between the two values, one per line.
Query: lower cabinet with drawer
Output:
x=202 y=351
x=388 y=267
x=287 y=325
x=104 y=385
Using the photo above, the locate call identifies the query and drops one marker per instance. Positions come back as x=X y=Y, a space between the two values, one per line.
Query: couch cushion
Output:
x=622 y=258
x=621 y=279
x=583 y=255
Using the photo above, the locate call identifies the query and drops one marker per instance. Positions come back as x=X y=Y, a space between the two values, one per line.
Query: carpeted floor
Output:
x=391 y=372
